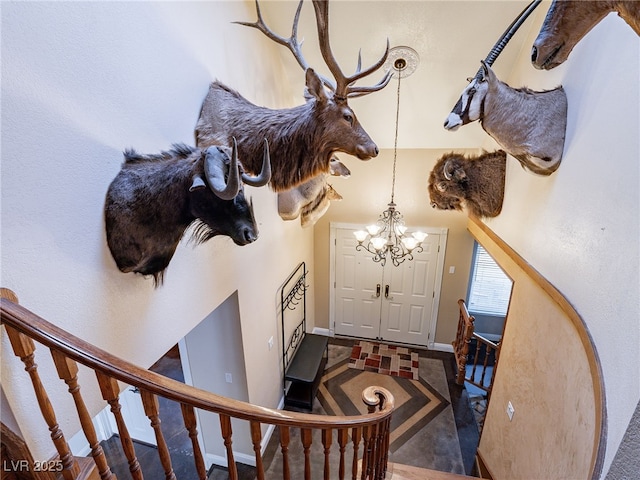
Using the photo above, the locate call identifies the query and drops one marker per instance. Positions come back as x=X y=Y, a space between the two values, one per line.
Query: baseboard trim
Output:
x=322 y=331
x=443 y=347
x=221 y=461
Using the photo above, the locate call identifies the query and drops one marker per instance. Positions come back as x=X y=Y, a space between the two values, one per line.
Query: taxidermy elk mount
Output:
x=476 y=183
x=568 y=21
x=529 y=125
x=154 y=199
x=301 y=139
x=311 y=199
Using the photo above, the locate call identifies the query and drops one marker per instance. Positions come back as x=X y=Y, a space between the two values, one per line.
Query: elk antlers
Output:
x=343 y=86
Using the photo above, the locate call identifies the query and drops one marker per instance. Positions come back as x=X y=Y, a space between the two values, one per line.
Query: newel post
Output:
x=375 y=456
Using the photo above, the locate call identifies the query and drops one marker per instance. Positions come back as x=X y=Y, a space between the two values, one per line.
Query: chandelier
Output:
x=388 y=237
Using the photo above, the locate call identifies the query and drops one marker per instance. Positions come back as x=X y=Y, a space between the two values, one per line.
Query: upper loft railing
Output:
x=368 y=434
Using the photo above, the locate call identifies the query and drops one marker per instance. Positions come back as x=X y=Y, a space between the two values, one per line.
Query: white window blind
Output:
x=490 y=288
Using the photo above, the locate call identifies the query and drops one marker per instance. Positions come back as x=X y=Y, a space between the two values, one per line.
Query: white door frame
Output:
x=442 y=246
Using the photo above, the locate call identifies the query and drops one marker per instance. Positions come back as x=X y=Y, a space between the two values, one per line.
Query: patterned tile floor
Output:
x=179 y=444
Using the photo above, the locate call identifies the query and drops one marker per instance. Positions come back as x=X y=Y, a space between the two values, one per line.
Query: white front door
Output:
x=358 y=288
x=397 y=304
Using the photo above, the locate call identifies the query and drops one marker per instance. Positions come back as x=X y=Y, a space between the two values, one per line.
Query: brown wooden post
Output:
x=305 y=435
x=284 y=448
x=110 y=393
x=366 y=451
x=326 y=443
x=189 y=417
x=24 y=347
x=256 y=438
x=343 y=437
x=152 y=410
x=356 y=435
x=385 y=460
x=225 y=426
x=68 y=371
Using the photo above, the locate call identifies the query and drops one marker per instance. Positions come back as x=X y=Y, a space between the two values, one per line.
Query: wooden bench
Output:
x=305 y=371
x=304 y=355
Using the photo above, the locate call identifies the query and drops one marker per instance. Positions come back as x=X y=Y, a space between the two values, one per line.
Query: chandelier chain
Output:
x=386 y=238
x=395 y=143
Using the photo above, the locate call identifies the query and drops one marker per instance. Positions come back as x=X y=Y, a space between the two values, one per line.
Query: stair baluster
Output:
x=343 y=438
x=24 y=347
x=284 y=448
x=152 y=410
x=305 y=435
x=256 y=438
x=189 y=417
x=110 y=393
x=68 y=371
x=326 y=443
x=225 y=426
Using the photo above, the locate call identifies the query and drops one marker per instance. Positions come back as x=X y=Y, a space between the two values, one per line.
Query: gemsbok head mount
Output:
x=568 y=21
x=528 y=125
x=302 y=139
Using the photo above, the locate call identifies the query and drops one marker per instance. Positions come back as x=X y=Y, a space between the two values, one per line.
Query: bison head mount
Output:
x=476 y=183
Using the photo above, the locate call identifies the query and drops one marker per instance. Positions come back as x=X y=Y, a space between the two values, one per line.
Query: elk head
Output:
x=344 y=134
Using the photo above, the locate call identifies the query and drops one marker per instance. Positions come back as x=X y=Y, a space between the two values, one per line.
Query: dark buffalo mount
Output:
x=154 y=199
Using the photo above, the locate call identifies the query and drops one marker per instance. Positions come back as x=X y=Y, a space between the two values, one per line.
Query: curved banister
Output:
x=55 y=338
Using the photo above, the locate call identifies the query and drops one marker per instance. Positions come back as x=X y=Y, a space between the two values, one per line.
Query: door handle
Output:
x=386 y=293
x=377 y=291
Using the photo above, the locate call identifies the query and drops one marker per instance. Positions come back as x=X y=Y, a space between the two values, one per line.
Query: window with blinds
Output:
x=489 y=286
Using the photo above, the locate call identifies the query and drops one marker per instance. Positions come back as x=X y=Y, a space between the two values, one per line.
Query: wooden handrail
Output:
x=109 y=368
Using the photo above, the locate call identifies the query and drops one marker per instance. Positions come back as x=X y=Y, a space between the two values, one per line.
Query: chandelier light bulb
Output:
x=360 y=235
x=420 y=236
x=410 y=243
x=378 y=243
x=400 y=229
x=373 y=229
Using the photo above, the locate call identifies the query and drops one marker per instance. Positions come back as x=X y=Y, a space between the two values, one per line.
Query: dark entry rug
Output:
x=385 y=359
x=423 y=430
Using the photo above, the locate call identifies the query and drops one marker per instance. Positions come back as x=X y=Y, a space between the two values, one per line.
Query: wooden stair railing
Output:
x=24 y=328
x=464 y=335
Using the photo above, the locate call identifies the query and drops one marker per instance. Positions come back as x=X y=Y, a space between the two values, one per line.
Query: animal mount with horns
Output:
x=154 y=199
x=302 y=139
x=311 y=199
x=476 y=183
x=528 y=125
x=567 y=22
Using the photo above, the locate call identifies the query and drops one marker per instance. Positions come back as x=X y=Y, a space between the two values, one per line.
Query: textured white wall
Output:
x=81 y=81
x=580 y=226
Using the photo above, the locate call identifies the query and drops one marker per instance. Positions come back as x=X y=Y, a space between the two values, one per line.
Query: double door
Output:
x=397 y=304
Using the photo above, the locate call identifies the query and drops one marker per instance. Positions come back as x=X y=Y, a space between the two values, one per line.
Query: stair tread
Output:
x=406 y=472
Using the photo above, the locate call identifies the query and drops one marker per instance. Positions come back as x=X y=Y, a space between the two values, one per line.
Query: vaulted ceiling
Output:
x=451 y=37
